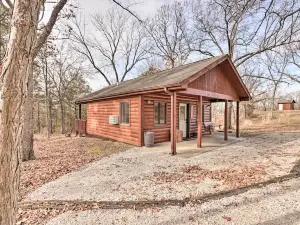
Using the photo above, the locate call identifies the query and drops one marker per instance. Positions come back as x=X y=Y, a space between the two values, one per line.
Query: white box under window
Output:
x=114 y=119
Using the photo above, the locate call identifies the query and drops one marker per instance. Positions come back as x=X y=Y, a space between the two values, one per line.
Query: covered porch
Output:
x=188 y=148
x=205 y=142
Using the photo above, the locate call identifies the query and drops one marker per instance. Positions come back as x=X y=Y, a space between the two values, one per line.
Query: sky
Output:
x=144 y=9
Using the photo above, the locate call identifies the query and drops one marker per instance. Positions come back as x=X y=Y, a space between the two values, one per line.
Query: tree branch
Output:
x=49 y=26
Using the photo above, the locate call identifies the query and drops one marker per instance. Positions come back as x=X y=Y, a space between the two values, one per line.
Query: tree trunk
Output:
x=273 y=101
x=39 y=117
x=18 y=63
x=27 y=139
x=48 y=116
x=62 y=111
x=48 y=110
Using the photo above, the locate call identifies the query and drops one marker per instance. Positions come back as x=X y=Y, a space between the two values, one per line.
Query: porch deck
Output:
x=187 y=149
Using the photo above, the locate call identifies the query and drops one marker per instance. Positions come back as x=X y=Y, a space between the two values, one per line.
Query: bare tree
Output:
x=276 y=70
x=169 y=33
x=15 y=78
x=117 y=46
x=24 y=20
x=5 y=14
x=244 y=29
x=27 y=143
x=42 y=60
x=257 y=84
x=66 y=73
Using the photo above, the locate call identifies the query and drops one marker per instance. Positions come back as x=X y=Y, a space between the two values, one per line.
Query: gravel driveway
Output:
x=144 y=174
x=273 y=204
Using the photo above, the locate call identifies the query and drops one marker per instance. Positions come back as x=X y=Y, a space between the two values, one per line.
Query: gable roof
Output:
x=285 y=101
x=167 y=78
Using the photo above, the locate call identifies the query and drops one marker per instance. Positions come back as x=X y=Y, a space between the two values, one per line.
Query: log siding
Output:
x=98 y=120
x=162 y=131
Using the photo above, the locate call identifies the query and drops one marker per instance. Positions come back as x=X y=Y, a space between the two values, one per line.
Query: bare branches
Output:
x=49 y=26
x=168 y=31
x=128 y=10
x=9 y=3
x=245 y=29
x=117 y=46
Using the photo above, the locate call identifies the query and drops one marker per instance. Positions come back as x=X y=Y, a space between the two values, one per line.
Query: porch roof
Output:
x=176 y=77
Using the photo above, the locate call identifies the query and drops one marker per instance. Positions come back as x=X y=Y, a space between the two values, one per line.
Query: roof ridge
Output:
x=156 y=80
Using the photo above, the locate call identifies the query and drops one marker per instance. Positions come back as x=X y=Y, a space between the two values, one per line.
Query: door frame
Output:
x=188 y=115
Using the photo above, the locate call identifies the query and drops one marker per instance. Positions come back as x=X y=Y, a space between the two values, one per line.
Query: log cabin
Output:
x=164 y=102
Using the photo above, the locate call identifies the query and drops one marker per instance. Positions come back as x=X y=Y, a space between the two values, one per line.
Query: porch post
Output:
x=79 y=111
x=199 y=145
x=173 y=123
x=237 y=119
x=226 y=121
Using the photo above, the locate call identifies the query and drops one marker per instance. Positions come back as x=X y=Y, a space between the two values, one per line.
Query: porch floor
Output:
x=187 y=149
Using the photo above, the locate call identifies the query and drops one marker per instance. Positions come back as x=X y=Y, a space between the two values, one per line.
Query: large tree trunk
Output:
x=27 y=139
x=14 y=80
x=38 y=117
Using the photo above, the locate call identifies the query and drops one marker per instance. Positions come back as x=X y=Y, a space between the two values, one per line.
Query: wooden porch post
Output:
x=199 y=122
x=173 y=123
x=237 y=119
x=79 y=111
x=226 y=121
x=141 y=120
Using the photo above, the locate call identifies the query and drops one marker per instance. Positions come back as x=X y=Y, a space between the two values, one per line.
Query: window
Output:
x=160 y=111
x=124 y=113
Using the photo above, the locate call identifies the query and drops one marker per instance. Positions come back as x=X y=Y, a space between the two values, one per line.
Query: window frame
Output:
x=121 y=122
x=166 y=108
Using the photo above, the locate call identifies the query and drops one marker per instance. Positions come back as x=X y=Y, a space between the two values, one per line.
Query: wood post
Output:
x=237 y=119
x=226 y=121
x=173 y=123
x=79 y=111
x=141 y=120
x=199 y=122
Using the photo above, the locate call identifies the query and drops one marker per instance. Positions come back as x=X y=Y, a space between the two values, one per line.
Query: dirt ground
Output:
x=60 y=155
x=144 y=174
x=276 y=204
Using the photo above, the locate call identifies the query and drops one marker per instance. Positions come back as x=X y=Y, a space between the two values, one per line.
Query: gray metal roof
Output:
x=286 y=101
x=160 y=79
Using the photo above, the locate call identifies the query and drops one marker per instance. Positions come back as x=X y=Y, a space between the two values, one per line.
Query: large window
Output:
x=160 y=111
x=125 y=113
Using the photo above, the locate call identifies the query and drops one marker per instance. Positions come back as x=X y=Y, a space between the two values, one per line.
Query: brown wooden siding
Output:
x=287 y=106
x=98 y=120
x=216 y=80
x=162 y=131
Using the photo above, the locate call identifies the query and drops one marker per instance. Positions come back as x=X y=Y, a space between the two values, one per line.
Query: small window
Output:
x=125 y=113
x=160 y=111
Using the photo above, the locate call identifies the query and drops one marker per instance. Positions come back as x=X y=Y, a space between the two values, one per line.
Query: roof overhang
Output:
x=182 y=86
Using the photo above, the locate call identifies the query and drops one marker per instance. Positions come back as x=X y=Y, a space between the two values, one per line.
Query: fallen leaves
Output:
x=55 y=157
x=233 y=178
x=59 y=155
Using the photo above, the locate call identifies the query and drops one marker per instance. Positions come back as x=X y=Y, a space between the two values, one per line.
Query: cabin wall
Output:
x=98 y=120
x=286 y=106
x=162 y=131
x=217 y=80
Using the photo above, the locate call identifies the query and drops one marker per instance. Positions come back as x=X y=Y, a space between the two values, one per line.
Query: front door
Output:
x=183 y=118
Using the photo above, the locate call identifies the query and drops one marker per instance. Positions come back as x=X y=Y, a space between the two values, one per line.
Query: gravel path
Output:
x=273 y=204
x=144 y=174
